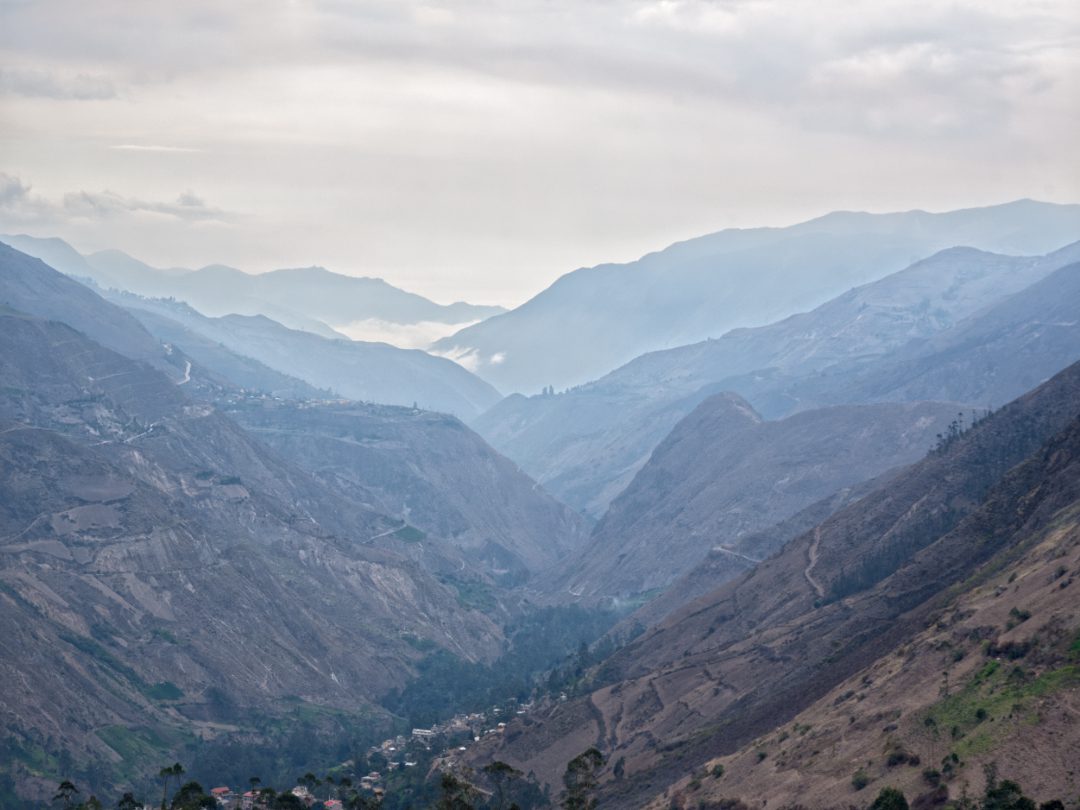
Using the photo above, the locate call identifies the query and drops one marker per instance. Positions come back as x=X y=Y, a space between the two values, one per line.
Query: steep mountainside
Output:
x=309 y=298
x=586 y=444
x=217 y=360
x=724 y=563
x=723 y=473
x=429 y=470
x=373 y=372
x=28 y=285
x=993 y=676
x=747 y=658
x=595 y=319
x=989 y=357
x=160 y=568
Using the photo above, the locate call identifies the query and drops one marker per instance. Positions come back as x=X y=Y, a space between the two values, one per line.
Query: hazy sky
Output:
x=479 y=149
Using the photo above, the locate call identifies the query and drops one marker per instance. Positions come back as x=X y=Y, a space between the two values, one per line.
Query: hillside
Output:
x=430 y=471
x=723 y=473
x=372 y=372
x=991 y=676
x=309 y=298
x=586 y=444
x=747 y=658
x=164 y=575
x=29 y=285
x=707 y=286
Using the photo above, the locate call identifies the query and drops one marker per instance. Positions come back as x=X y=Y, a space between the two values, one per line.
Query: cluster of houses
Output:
x=227 y=799
x=396 y=752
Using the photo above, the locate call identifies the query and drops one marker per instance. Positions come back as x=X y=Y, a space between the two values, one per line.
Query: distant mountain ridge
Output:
x=311 y=298
x=586 y=444
x=596 y=319
x=371 y=372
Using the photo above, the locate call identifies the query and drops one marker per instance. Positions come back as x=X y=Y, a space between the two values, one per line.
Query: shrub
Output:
x=890 y=799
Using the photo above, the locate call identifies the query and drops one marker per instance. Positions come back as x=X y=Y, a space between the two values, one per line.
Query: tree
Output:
x=65 y=792
x=128 y=802
x=580 y=780
x=890 y=799
x=191 y=797
x=310 y=781
x=500 y=774
x=167 y=773
x=1005 y=795
x=288 y=801
x=457 y=794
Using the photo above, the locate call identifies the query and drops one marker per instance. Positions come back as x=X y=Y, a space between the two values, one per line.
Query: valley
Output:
x=787 y=555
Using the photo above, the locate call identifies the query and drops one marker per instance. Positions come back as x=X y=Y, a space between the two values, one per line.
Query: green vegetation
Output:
x=447 y=685
x=472 y=594
x=102 y=656
x=997 y=695
x=164 y=635
x=890 y=799
x=410 y=534
x=166 y=690
x=580 y=780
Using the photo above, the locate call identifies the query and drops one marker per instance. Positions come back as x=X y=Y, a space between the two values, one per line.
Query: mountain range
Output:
x=309 y=298
x=595 y=319
x=940 y=569
x=586 y=444
x=831 y=553
x=183 y=558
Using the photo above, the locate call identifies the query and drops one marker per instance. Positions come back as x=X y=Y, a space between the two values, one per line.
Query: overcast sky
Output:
x=479 y=149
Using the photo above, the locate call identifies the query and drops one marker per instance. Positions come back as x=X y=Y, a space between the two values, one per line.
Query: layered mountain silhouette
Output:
x=595 y=319
x=585 y=445
x=932 y=571
x=313 y=299
x=176 y=547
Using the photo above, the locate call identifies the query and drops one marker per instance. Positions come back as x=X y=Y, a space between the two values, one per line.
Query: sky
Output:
x=477 y=150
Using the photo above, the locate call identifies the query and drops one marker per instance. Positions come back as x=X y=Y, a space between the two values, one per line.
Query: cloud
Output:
x=13 y=192
x=152 y=147
x=466 y=357
x=108 y=204
x=19 y=204
x=418 y=335
x=44 y=84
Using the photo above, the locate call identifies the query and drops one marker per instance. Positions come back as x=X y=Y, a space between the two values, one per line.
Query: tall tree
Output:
x=65 y=792
x=457 y=794
x=500 y=773
x=580 y=780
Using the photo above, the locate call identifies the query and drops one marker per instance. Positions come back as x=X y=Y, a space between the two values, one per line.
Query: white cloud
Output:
x=45 y=84
x=479 y=149
x=106 y=204
x=19 y=204
x=467 y=358
x=137 y=147
x=406 y=336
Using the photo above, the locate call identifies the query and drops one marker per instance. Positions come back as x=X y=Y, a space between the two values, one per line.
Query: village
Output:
x=439 y=747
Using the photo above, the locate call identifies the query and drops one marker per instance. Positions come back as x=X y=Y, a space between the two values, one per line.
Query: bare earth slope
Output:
x=750 y=656
x=430 y=471
x=723 y=473
x=158 y=563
